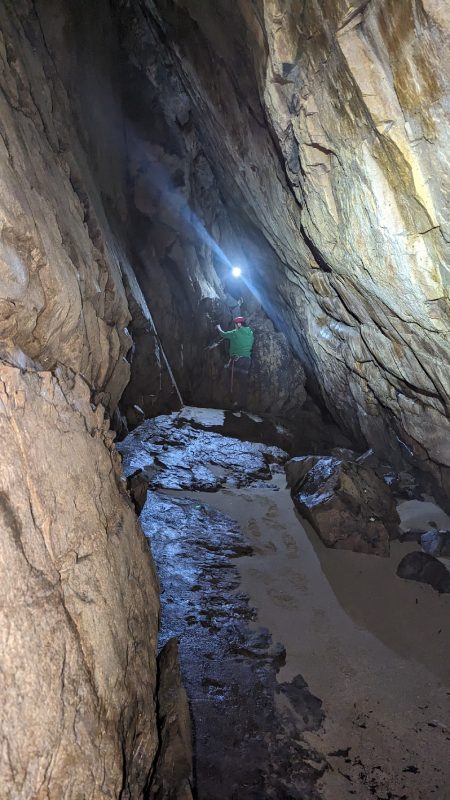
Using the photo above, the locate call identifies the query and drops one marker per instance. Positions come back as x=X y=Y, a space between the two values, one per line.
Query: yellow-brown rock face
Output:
x=327 y=126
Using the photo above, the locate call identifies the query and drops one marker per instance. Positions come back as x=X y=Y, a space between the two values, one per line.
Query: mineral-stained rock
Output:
x=173 y=772
x=418 y=566
x=78 y=620
x=348 y=505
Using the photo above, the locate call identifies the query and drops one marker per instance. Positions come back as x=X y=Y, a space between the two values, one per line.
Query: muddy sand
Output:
x=373 y=647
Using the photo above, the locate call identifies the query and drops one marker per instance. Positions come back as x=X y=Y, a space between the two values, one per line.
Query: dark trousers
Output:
x=240 y=368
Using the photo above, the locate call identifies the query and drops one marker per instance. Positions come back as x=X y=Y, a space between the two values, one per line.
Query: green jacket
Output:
x=241 y=341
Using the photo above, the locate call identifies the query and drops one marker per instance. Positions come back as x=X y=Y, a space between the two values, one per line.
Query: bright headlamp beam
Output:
x=236 y=272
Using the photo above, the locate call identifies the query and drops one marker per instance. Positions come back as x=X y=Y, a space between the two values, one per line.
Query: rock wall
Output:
x=184 y=232
x=364 y=114
x=167 y=139
x=80 y=596
x=323 y=128
x=76 y=338
x=79 y=601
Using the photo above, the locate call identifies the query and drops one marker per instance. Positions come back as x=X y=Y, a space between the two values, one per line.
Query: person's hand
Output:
x=218 y=327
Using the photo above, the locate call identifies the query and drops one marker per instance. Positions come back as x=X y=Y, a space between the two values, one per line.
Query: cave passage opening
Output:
x=148 y=148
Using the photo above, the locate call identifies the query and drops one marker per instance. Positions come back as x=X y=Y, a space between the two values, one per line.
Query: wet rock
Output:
x=244 y=426
x=119 y=424
x=425 y=568
x=305 y=704
x=173 y=772
x=188 y=457
x=348 y=505
x=344 y=453
x=137 y=486
x=436 y=542
x=403 y=484
x=410 y=535
x=278 y=654
x=245 y=744
x=297 y=468
x=359 y=291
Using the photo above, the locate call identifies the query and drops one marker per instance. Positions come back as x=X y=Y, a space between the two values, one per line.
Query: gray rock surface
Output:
x=350 y=507
x=425 y=568
x=137 y=486
x=297 y=468
x=246 y=743
x=173 y=777
x=308 y=143
x=436 y=542
x=172 y=454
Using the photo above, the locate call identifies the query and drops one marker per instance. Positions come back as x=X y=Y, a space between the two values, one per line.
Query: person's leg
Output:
x=234 y=379
x=244 y=367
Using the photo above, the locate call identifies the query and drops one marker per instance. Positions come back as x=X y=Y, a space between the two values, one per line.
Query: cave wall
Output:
x=77 y=337
x=80 y=597
x=308 y=140
x=323 y=125
x=184 y=235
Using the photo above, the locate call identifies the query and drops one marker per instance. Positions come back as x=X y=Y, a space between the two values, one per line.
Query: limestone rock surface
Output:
x=177 y=455
x=79 y=601
x=310 y=140
x=79 y=592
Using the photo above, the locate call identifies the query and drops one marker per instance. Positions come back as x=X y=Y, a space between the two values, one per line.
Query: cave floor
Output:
x=311 y=673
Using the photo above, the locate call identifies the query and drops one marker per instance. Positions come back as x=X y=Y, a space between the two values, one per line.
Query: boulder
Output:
x=173 y=775
x=410 y=535
x=435 y=542
x=402 y=483
x=425 y=568
x=137 y=486
x=348 y=505
x=188 y=457
x=297 y=468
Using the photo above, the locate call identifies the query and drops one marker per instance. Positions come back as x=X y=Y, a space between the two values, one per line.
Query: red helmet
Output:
x=239 y=319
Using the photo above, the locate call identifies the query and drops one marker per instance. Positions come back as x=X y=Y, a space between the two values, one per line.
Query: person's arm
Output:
x=225 y=334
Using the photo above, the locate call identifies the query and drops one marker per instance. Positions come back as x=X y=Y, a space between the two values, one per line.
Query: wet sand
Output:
x=373 y=647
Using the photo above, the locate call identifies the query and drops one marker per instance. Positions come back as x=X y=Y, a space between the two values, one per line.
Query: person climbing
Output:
x=241 y=345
